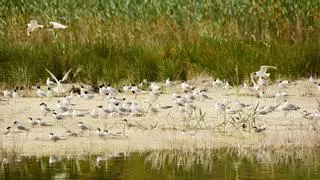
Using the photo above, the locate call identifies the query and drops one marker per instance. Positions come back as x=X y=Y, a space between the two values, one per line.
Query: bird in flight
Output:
x=57 y=25
x=33 y=25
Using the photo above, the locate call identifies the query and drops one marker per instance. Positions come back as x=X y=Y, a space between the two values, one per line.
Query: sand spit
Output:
x=201 y=126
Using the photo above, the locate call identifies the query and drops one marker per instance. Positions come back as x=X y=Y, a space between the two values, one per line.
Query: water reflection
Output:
x=169 y=164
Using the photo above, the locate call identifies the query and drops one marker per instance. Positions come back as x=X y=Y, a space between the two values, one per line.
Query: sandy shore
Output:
x=167 y=129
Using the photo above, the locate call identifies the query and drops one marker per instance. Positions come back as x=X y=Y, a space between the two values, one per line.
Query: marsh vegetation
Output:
x=116 y=41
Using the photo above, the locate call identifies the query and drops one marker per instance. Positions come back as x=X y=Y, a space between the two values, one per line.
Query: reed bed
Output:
x=127 y=41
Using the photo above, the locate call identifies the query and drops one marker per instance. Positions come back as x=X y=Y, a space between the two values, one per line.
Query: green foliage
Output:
x=116 y=41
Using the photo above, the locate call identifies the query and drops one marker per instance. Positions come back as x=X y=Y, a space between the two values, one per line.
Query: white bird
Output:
x=241 y=105
x=111 y=90
x=217 y=83
x=155 y=93
x=70 y=97
x=256 y=87
x=266 y=109
x=15 y=93
x=33 y=25
x=40 y=93
x=100 y=133
x=156 y=109
x=285 y=107
x=82 y=126
x=103 y=90
x=220 y=106
x=19 y=126
x=7 y=93
x=50 y=93
x=7 y=131
x=258 y=130
x=308 y=115
x=134 y=90
x=263 y=71
x=136 y=108
x=169 y=83
x=99 y=112
x=283 y=84
x=63 y=105
x=311 y=80
x=186 y=87
x=42 y=123
x=226 y=86
x=53 y=137
x=87 y=96
x=57 y=25
x=72 y=134
x=178 y=100
x=154 y=86
x=107 y=133
x=32 y=122
x=44 y=108
x=231 y=111
x=59 y=88
x=318 y=87
x=280 y=96
x=82 y=90
x=50 y=83
x=57 y=116
x=126 y=88
x=77 y=113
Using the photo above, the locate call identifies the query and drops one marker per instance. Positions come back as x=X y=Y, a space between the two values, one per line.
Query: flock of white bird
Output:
x=114 y=106
x=33 y=25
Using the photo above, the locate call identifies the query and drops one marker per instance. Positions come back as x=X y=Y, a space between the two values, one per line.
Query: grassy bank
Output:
x=116 y=41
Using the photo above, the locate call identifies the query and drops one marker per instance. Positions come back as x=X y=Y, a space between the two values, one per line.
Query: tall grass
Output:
x=115 y=41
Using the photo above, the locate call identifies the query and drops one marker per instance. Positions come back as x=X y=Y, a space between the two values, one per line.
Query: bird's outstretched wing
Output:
x=264 y=68
x=65 y=76
x=53 y=77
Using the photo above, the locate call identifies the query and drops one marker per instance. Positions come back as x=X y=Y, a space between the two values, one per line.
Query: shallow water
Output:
x=168 y=164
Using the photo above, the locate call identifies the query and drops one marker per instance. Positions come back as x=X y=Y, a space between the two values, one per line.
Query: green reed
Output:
x=127 y=41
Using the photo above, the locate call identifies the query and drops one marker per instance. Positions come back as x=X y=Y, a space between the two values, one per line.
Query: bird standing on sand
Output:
x=57 y=116
x=286 y=107
x=40 y=93
x=87 y=96
x=82 y=126
x=99 y=133
x=72 y=134
x=44 y=108
x=7 y=93
x=258 y=130
x=15 y=93
x=42 y=123
x=53 y=137
x=169 y=83
x=50 y=93
x=7 y=131
x=19 y=126
x=32 y=122
x=217 y=83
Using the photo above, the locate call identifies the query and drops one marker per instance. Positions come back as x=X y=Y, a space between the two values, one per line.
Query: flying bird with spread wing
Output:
x=33 y=25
